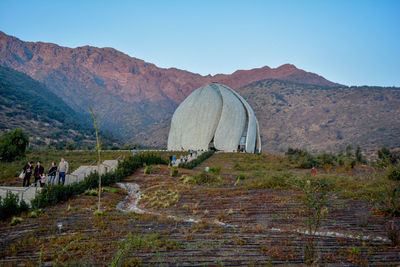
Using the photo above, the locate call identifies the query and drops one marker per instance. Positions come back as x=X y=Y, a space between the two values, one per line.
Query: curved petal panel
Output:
x=195 y=120
x=232 y=122
x=252 y=125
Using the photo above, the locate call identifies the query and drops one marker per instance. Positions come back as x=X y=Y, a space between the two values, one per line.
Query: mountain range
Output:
x=135 y=99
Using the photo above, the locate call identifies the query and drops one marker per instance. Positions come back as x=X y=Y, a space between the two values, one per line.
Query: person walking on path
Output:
x=39 y=172
x=28 y=168
x=173 y=159
x=134 y=151
x=62 y=170
x=52 y=172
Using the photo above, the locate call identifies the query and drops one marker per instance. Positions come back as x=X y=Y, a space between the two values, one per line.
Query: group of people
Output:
x=182 y=159
x=40 y=176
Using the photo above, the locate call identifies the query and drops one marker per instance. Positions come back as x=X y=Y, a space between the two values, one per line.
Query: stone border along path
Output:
x=29 y=193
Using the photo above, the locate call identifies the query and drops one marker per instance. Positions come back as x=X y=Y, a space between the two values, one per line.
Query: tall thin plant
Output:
x=315 y=203
x=98 y=148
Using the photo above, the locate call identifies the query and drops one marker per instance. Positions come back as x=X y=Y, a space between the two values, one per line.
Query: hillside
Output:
x=324 y=119
x=28 y=104
x=133 y=98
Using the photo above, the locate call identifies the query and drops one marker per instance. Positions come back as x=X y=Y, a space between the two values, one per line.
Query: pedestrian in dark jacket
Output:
x=28 y=168
x=52 y=172
x=39 y=173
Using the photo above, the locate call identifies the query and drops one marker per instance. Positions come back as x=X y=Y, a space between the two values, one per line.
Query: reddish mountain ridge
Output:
x=133 y=98
x=134 y=80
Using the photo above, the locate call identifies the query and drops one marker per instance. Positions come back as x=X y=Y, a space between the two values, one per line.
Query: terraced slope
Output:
x=198 y=225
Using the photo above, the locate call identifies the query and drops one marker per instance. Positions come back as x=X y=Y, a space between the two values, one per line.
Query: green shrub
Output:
x=204 y=178
x=394 y=174
x=174 y=172
x=91 y=192
x=241 y=176
x=147 y=170
x=215 y=170
x=197 y=161
x=11 y=205
x=35 y=213
x=110 y=190
x=15 y=221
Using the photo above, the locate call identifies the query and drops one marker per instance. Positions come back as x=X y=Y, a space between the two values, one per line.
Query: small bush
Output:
x=11 y=206
x=35 y=213
x=16 y=220
x=174 y=172
x=98 y=213
x=91 y=192
x=394 y=174
x=215 y=170
x=203 y=179
x=147 y=170
x=110 y=190
x=240 y=178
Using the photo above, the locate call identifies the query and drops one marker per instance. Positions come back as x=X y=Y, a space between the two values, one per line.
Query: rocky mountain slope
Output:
x=324 y=119
x=130 y=95
x=136 y=99
x=28 y=104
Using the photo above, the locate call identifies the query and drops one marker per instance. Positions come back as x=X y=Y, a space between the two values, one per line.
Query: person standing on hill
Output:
x=39 y=171
x=62 y=170
x=52 y=172
x=28 y=171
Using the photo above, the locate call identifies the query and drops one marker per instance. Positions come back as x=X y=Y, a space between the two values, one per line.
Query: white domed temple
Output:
x=214 y=117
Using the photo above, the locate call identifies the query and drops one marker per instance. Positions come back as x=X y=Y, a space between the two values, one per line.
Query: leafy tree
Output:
x=384 y=153
x=13 y=145
x=387 y=157
x=69 y=146
x=359 y=156
x=349 y=152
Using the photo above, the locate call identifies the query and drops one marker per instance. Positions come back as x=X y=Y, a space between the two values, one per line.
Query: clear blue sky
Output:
x=349 y=42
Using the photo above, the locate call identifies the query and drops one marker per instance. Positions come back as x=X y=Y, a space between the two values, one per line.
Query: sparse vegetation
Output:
x=200 y=218
x=160 y=198
x=203 y=178
x=174 y=172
